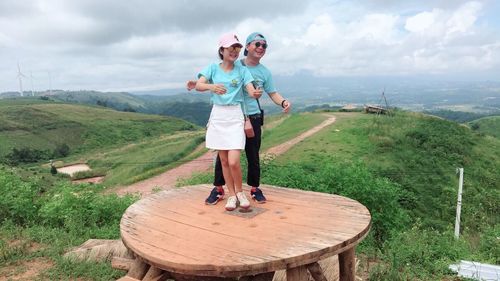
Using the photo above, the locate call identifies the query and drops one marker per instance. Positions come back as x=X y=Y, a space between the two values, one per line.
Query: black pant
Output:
x=252 y=148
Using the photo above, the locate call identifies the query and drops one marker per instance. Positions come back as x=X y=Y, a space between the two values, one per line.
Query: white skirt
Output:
x=225 y=128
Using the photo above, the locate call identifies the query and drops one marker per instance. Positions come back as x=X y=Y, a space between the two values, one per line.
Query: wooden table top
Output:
x=174 y=230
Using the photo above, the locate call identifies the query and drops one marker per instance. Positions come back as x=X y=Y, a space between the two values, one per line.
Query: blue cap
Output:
x=255 y=36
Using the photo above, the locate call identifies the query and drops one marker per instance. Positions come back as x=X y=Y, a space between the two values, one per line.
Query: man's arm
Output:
x=280 y=101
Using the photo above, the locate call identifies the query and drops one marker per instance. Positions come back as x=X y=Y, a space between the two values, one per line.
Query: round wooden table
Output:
x=174 y=234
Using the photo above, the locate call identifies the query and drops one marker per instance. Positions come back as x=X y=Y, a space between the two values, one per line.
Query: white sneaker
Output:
x=231 y=203
x=244 y=203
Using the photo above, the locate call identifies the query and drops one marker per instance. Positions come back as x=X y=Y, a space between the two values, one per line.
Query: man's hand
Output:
x=287 y=106
x=219 y=89
x=191 y=84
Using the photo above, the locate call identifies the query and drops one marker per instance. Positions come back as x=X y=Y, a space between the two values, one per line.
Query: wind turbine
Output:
x=20 y=76
x=50 y=84
x=32 y=89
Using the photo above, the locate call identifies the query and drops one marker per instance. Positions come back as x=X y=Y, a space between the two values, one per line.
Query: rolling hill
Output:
x=43 y=126
x=487 y=125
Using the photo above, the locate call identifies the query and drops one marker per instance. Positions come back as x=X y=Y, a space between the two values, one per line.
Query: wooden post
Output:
x=347 y=265
x=153 y=274
x=121 y=263
x=298 y=273
x=138 y=269
x=316 y=272
x=459 y=201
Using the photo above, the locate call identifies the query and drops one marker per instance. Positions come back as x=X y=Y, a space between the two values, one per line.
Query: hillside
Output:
x=47 y=125
x=487 y=125
x=401 y=167
x=418 y=152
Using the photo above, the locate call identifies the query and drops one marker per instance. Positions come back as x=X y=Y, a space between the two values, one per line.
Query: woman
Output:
x=225 y=126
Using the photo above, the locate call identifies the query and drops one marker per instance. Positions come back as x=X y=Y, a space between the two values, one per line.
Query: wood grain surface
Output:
x=174 y=230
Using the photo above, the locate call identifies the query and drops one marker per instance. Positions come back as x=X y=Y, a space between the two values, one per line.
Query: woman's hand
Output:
x=219 y=89
x=191 y=84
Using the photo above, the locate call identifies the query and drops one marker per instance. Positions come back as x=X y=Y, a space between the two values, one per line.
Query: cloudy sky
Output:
x=133 y=45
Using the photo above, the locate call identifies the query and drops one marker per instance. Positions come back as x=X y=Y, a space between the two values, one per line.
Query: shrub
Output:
x=352 y=180
x=18 y=200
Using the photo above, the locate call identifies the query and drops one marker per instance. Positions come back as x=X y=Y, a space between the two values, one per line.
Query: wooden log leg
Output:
x=153 y=274
x=316 y=272
x=298 y=273
x=347 y=265
x=138 y=269
x=121 y=263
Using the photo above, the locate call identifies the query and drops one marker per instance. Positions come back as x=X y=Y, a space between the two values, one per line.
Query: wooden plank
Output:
x=297 y=274
x=347 y=265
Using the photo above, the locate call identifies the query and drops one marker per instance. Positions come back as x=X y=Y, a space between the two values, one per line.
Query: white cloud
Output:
x=463 y=19
x=421 y=22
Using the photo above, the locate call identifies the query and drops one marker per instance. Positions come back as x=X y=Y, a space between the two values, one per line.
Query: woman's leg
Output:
x=226 y=171
x=235 y=167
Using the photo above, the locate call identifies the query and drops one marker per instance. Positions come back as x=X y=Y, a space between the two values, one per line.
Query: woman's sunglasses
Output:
x=234 y=48
x=258 y=44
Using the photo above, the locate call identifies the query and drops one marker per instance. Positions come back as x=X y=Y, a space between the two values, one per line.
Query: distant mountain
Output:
x=161 y=92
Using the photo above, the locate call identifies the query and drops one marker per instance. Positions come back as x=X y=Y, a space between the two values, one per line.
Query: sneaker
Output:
x=215 y=196
x=231 y=203
x=257 y=195
x=244 y=203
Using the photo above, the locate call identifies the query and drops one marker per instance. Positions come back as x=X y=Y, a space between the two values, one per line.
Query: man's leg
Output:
x=217 y=192
x=218 y=176
x=252 y=149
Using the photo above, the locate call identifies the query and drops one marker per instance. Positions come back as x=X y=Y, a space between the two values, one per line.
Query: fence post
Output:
x=459 y=201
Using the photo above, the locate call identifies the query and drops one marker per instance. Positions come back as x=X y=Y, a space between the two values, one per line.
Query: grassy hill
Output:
x=487 y=125
x=43 y=125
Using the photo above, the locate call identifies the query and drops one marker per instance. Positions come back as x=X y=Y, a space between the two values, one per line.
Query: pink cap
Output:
x=229 y=39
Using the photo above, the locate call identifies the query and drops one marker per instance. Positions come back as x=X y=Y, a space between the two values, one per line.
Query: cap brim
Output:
x=232 y=44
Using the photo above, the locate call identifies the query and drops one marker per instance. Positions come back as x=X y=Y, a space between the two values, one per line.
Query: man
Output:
x=255 y=49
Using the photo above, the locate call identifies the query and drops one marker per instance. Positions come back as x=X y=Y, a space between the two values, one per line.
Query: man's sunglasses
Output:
x=258 y=44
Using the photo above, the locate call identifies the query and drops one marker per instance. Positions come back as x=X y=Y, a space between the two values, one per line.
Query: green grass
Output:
x=40 y=224
x=343 y=139
x=487 y=125
x=291 y=127
x=140 y=161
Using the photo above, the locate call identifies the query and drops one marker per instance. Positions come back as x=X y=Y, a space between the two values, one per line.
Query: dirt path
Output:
x=204 y=163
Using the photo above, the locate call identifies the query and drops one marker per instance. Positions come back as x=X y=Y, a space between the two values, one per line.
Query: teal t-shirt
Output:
x=234 y=81
x=262 y=76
